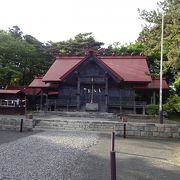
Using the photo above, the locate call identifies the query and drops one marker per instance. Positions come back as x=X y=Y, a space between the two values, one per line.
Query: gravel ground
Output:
x=64 y=155
x=46 y=156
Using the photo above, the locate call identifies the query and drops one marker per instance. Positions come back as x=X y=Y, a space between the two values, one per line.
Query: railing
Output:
x=62 y=102
x=113 y=103
x=12 y=103
x=117 y=103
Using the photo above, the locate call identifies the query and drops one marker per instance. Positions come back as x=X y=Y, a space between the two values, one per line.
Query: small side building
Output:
x=12 y=102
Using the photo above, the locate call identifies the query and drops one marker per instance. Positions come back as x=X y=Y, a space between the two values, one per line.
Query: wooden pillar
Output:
x=134 y=102
x=55 y=105
x=34 y=99
x=41 y=100
x=154 y=97
x=134 y=107
x=78 y=93
x=47 y=101
x=143 y=109
x=120 y=101
x=106 y=92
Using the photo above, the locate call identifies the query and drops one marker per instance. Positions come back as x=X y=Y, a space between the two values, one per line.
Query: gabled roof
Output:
x=126 y=68
x=61 y=67
x=38 y=83
x=129 y=68
x=5 y=91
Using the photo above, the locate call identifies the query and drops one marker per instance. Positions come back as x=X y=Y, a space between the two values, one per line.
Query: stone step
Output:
x=97 y=115
x=77 y=114
x=106 y=126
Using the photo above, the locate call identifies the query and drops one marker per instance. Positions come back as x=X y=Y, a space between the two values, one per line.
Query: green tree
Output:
x=17 y=60
x=16 y=32
x=76 y=46
x=44 y=55
x=128 y=49
x=150 y=36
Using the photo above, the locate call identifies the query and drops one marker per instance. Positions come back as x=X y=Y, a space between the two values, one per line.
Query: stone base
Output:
x=92 y=107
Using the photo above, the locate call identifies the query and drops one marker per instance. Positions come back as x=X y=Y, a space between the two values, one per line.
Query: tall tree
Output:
x=17 y=60
x=16 y=32
x=127 y=49
x=44 y=55
x=151 y=34
x=77 y=45
x=150 y=39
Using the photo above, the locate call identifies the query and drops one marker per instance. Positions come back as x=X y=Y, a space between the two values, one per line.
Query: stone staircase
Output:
x=152 y=130
x=102 y=115
x=105 y=123
x=81 y=124
x=96 y=115
x=86 y=121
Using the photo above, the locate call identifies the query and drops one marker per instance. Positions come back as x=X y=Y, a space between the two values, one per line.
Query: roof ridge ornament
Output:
x=90 y=52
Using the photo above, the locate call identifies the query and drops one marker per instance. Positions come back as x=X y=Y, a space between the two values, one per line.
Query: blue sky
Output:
x=109 y=20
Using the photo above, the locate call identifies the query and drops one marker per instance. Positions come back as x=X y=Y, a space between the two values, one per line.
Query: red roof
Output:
x=127 y=68
x=38 y=83
x=26 y=90
x=5 y=91
x=155 y=84
x=61 y=67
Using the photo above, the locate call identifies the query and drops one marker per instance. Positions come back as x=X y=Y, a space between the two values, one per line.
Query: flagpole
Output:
x=161 y=74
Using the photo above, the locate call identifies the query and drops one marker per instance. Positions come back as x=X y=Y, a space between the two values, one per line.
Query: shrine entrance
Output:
x=93 y=95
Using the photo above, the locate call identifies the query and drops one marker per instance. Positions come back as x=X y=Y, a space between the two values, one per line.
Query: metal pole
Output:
x=41 y=100
x=113 y=165
x=25 y=106
x=124 y=130
x=21 y=125
x=112 y=141
x=113 y=157
x=161 y=74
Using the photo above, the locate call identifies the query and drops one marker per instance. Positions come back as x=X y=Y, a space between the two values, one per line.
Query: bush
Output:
x=152 y=109
x=173 y=104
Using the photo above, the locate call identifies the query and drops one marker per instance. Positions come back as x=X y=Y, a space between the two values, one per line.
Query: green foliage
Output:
x=173 y=104
x=76 y=46
x=152 y=109
x=16 y=32
x=150 y=37
x=127 y=49
x=21 y=57
x=15 y=58
x=177 y=84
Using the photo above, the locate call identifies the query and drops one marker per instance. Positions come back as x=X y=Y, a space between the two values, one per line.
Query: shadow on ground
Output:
x=8 y=136
x=131 y=168
x=138 y=165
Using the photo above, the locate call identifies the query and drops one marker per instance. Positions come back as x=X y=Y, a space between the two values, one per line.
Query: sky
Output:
x=57 y=20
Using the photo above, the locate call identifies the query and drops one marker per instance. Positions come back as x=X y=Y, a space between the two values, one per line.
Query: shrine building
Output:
x=98 y=83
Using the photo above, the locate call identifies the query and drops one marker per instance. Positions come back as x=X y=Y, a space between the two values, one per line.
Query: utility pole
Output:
x=161 y=74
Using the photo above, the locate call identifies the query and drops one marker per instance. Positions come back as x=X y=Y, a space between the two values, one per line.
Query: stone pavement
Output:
x=136 y=159
x=59 y=155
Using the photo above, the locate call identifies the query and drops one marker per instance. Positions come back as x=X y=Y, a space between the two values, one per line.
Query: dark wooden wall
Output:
x=76 y=91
